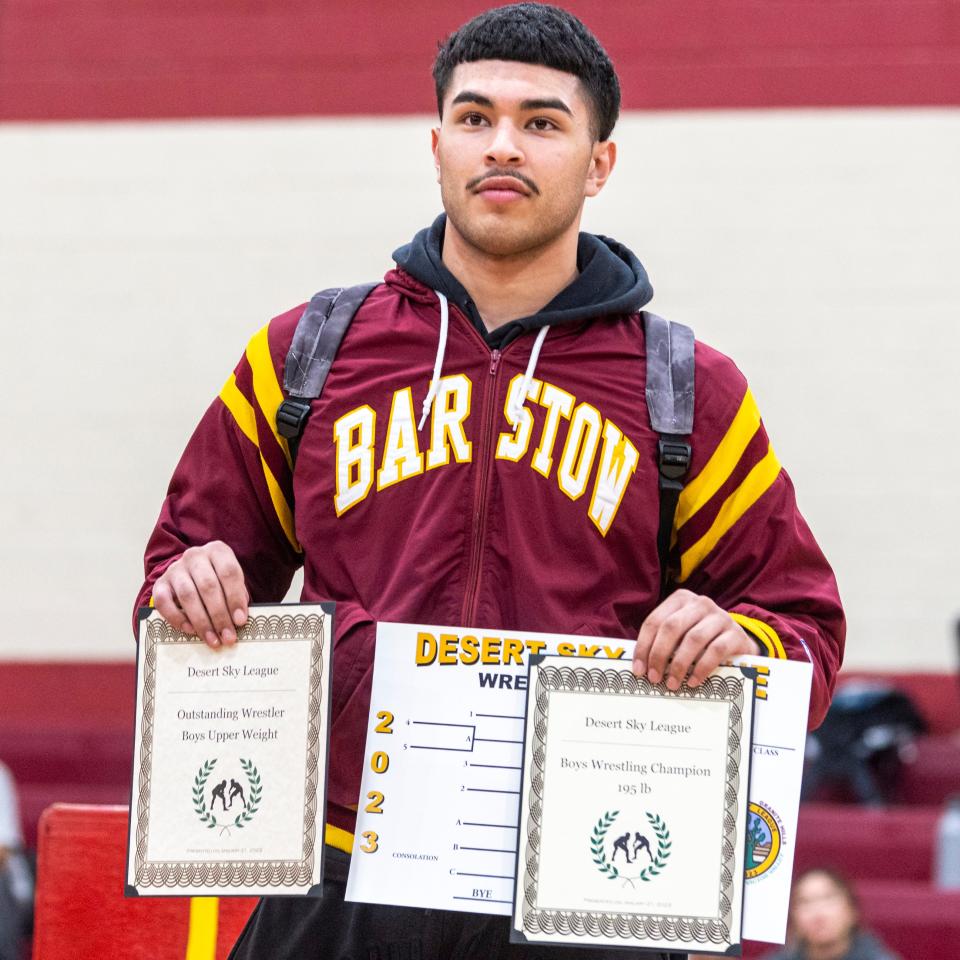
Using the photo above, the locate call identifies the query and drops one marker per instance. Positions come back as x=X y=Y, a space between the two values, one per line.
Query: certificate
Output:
x=447 y=710
x=230 y=752
x=439 y=798
x=779 y=736
x=633 y=808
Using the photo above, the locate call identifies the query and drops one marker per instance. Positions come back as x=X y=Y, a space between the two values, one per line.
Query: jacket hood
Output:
x=611 y=280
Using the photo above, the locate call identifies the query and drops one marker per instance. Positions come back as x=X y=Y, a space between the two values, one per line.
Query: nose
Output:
x=504 y=149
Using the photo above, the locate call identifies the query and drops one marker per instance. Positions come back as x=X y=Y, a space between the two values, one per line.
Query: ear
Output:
x=435 y=150
x=602 y=162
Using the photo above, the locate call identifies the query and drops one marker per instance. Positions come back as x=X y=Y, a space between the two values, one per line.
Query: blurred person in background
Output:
x=824 y=922
x=16 y=885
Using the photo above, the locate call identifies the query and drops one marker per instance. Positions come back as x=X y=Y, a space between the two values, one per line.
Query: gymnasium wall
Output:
x=173 y=174
x=113 y=59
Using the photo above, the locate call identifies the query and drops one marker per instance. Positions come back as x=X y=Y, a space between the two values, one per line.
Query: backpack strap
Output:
x=316 y=340
x=670 y=396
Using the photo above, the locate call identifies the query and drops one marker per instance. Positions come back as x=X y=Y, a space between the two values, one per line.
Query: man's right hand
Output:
x=203 y=593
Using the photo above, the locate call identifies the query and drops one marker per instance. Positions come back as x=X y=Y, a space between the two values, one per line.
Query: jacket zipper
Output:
x=471 y=597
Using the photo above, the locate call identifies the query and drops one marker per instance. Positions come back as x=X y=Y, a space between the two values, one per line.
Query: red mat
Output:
x=81 y=912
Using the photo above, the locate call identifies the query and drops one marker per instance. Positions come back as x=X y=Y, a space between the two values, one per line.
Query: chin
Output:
x=502 y=245
x=498 y=237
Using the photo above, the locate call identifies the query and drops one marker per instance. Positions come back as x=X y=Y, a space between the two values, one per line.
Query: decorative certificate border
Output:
x=629 y=926
x=270 y=628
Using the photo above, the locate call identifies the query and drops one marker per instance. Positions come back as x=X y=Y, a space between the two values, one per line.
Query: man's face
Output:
x=515 y=155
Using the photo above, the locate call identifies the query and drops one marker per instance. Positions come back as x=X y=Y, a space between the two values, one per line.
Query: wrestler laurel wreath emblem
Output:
x=632 y=847
x=248 y=800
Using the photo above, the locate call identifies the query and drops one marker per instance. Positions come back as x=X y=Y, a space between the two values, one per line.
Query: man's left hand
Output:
x=688 y=631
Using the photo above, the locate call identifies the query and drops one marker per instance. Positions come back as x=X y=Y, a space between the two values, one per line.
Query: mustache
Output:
x=499 y=174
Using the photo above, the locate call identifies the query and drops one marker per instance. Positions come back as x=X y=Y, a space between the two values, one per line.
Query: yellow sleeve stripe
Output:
x=335 y=837
x=242 y=412
x=755 y=484
x=768 y=637
x=246 y=420
x=202 y=932
x=722 y=463
x=266 y=387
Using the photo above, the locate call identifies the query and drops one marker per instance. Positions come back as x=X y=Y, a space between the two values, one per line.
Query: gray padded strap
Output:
x=318 y=336
x=669 y=374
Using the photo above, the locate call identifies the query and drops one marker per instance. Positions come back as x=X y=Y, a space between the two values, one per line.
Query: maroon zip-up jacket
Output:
x=546 y=525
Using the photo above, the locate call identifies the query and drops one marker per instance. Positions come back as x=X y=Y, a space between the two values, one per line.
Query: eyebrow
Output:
x=546 y=103
x=468 y=96
x=541 y=103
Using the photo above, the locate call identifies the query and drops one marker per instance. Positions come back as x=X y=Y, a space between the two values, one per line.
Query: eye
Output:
x=542 y=124
x=473 y=119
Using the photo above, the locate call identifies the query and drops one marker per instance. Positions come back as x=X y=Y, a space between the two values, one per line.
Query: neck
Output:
x=507 y=288
x=836 y=950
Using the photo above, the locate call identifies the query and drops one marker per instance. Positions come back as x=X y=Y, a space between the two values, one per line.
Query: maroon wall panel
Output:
x=113 y=59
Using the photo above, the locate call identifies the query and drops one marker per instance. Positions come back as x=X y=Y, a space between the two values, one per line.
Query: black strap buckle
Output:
x=291 y=416
x=673 y=459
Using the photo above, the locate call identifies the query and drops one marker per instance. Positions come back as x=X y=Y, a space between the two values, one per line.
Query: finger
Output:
x=670 y=635
x=697 y=638
x=228 y=571
x=188 y=597
x=720 y=650
x=734 y=640
x=166 y=605
x=211 y=594
x=650 y=626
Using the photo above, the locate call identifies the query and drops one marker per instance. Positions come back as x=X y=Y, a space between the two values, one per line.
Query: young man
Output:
x=482 y=455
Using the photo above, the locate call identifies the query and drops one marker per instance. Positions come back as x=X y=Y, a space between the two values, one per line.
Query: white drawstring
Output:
x=438 y=363
x=517 y=398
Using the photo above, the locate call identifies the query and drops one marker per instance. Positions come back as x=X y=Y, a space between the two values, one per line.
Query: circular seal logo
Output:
x=764 y=840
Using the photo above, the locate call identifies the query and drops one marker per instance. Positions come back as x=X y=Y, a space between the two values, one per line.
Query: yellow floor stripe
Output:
x=756 y=483
x=722 y=463
x=202 y=938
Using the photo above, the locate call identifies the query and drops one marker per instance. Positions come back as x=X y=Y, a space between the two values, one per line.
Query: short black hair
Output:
x=541 y=34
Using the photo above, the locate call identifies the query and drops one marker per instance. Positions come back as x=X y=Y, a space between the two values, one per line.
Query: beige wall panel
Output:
x=816 y=247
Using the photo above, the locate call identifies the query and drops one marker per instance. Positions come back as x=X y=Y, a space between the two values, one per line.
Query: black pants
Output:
x=11 y=921
x=308 y=928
